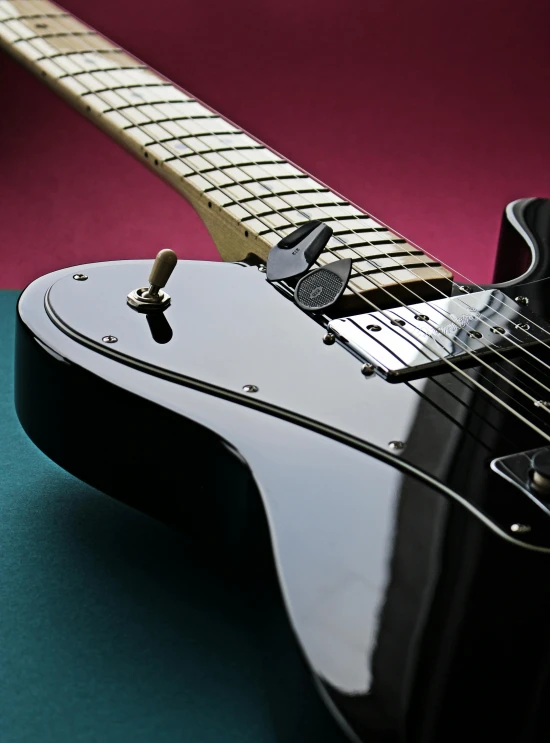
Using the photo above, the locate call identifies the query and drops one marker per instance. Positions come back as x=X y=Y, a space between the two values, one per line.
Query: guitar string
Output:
x=255 y=196
x=461 y=379
x=95 y=51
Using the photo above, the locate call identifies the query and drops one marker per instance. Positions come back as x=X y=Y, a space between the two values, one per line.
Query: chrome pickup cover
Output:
x=431 y=337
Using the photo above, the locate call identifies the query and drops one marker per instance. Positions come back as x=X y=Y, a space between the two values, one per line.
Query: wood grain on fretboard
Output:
x=247 y=195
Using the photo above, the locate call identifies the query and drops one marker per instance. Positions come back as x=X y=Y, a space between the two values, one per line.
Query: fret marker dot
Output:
x=156 y=162
x=210 y=205
x=246 y=233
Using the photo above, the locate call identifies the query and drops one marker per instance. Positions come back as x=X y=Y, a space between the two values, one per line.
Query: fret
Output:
x=89 y=80
x=96 y=103
x=199 y=163
x=219 y=178
x=239 y=140
x=392 y=263
x=397 y=276
x=135 y=115
x=237 y=193
x=219 y=198
x=94 y=60
x=20 y=30
x=27 y=49
x=181 y=168
x=62 y=25
x=160 y=153
x=7 y=34
x=213 y=125
x=299 y=182
x=371 y=253
x=5 y=13
x=70 y=43
x=154 y=94
x=137 y=134
x=219 y=161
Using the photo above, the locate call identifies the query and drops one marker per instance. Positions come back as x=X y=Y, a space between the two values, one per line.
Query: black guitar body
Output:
x=415 y=575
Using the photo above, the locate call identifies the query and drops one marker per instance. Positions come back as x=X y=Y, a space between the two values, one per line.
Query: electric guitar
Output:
x=390 y=423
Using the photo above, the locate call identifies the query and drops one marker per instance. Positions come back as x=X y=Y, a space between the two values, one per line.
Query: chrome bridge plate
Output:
x=430 y=338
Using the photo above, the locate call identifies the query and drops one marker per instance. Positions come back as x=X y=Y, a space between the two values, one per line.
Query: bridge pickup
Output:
x=430 y=338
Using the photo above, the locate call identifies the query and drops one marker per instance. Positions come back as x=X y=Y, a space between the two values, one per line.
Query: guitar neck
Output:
x=247 y=194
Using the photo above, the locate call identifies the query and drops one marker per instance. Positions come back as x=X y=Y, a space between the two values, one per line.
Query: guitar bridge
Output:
x=430 y=338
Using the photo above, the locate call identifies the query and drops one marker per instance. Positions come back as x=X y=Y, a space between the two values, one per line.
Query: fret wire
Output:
x=247 y=181
x=132 y=85
x=166 y=121
x=107 y=69
x=38 y=16
x=91 y=51
x=186 y=155
x=332 y=203
x=133 y=105
x=193 y=136
x=64 y=34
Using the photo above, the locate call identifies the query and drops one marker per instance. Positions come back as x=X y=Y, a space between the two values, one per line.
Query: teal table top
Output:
x=111 y=631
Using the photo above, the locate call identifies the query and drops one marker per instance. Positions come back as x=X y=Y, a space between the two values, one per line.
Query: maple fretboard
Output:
x=248 y=195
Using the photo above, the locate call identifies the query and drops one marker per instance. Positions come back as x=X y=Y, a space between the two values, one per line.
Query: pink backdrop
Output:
x=432 y=115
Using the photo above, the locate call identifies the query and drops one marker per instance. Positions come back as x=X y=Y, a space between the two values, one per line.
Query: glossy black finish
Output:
x=422 y=616
x=524 y=242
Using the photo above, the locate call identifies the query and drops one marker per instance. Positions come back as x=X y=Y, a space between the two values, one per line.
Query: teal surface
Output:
x=110 y=631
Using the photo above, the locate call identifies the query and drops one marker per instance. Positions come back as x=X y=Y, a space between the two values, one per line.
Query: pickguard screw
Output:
x=520 y=528
x=80 y=277
x=396 y=445
x=262 y=268
x=109 y=339
x=329 y=338
x=250 y=388
x=367 y=370
x=522 y=300
x=498 y=330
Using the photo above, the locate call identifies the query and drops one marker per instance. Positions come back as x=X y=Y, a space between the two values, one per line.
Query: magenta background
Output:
x=431 y=115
